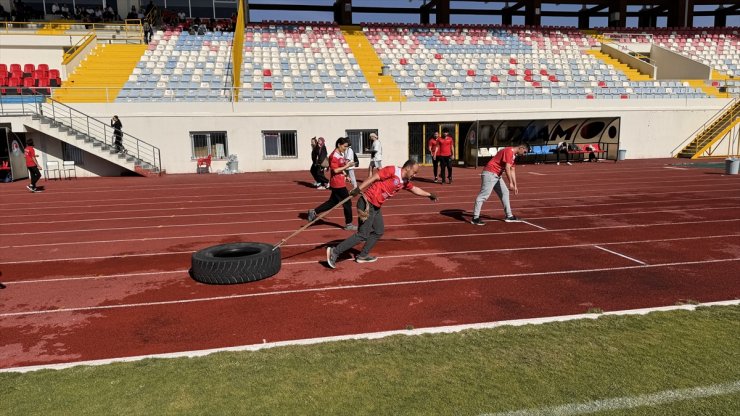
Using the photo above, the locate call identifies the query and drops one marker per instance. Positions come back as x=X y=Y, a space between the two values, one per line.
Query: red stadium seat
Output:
x=268 y=86
x=267 y=72
x=471 y=72
x=16 y=67
x=42 y=67
x=494 y=78
x=54 y=73
x=29 y=68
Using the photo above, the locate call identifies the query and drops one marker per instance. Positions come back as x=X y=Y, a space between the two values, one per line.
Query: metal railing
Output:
x=709 y=123
x=98 y=132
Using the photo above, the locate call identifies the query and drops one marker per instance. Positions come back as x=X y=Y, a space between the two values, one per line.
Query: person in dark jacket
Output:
x=318 y=154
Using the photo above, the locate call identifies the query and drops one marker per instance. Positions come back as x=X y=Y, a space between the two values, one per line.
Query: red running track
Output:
x=98 y=268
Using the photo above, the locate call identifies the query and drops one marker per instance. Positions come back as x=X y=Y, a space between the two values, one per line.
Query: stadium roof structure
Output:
x=679 y=13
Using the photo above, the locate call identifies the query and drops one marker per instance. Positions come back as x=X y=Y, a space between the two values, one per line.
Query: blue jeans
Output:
x=491 y=182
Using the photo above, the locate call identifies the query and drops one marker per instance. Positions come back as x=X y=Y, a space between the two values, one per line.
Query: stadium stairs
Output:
x=93 y=136
x=708 y=89
x=723 y=123
x=100 y=77
x=631 y=73
x=384 y=87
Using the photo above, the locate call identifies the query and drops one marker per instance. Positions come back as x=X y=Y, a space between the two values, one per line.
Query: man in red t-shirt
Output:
x=338 y=165
x=33 y=165
x=433 y=148
x=492 y=180
x=445 y=154
x=382 y=185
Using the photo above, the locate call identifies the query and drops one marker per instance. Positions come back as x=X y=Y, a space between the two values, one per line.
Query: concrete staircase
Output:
x=100 y=77
x=631 y=73
x=384 y=87
x=708 y=89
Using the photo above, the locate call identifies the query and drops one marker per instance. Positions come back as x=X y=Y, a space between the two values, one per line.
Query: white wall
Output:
x=35 y=49
x=649 y=128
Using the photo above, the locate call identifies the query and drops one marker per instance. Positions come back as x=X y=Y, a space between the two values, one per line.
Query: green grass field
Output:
x=545 y=369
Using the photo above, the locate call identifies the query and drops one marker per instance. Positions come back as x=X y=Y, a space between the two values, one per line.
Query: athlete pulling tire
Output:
x=235 y=263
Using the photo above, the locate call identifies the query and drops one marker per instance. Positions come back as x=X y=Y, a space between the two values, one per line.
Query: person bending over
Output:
x=492 y=180
x=376 y=190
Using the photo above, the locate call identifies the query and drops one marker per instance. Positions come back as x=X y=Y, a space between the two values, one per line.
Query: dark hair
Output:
x=29 y=142
x=409 y=163
x=445 y=130
x=341 y=141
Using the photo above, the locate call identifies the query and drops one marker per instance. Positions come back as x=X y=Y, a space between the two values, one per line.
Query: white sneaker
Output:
x=569 y=164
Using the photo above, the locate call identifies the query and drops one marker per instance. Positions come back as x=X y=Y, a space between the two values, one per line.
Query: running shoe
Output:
x=311 y=215
x=30 y=188
x=512 y=219
x=366 y=259
x=477 y=221
x=350 y=227
x=331 y=260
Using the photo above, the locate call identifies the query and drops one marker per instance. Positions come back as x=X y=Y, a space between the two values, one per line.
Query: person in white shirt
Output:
x=350 y=155
x=376 y=153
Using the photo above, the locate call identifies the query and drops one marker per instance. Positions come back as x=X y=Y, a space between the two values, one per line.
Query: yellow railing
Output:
x=75 y=50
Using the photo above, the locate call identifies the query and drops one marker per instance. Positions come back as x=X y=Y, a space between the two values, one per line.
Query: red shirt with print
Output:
x=336 y=161
x=445 y=146
x=391 y=181
x=497 y=163
x=30 y=154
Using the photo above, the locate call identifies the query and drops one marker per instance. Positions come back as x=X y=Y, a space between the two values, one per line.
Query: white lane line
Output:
x=537 y=173
x=361 y=286
x=404 y=214
x=321 y=243
x=535 y=225
x=629 y=402
x=368 y=336
x=674 y=167
x=559 y=197
x=447 y=253
x=620 y=255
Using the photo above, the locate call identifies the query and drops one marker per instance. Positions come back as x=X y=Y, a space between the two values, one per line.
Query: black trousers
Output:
x=445 y=163
x=318 y=174
x=435 y=164
x=35 y=175
x=567 y=155
x=118 y=142
x=337 y=195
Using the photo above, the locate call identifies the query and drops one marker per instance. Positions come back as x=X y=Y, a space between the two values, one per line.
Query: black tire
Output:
x=233 y=263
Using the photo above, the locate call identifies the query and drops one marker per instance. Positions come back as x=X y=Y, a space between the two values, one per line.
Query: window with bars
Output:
x=212 y=143
x=70 y=152
x=360 y=140
x=280 y=144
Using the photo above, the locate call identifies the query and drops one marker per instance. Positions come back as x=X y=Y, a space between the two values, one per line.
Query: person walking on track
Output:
x=376 y=155
x=445 y=154
x=492 y=180
x=433 y=148
x=338 y=165
x=376 y=190
x=32 y=163
x=318 y=154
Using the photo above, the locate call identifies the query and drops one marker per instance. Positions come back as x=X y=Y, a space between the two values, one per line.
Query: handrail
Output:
x=704 y=126
x=94 y=129
x=75 y=50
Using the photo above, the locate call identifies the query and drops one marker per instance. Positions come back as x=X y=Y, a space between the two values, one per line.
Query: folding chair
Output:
x=50 y=168
x=69 y=166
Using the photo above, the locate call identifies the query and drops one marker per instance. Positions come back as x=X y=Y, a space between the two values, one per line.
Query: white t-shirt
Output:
x=378 y=149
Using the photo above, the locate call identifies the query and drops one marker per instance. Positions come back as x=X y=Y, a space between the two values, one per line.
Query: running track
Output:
x=98 y=268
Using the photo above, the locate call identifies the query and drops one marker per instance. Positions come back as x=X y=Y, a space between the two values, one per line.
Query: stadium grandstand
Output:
x=219 y=79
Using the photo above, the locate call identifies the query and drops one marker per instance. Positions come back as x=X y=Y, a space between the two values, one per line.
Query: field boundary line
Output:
x=370 y=336
x=628 y=402
x=620 y=254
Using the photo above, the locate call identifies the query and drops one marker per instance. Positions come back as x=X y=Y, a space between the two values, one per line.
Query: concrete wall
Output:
x=649 y=128
x=675 y=66
x=630 y=60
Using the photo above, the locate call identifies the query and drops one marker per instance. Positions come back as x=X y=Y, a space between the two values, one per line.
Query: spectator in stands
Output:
x=148 y=31
x=117 y=134
x=132 y=14
x=181 y=16
x=4 y=15
x=55 y=9
x=376 y=155
x=445 y=154
x=492 y=180
x=32 y=163
x=433 y=148
x=338 y=165
x=149 y=8
x=65 y=11
x=376 y=191
x=318 y=154
x=562 y=149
